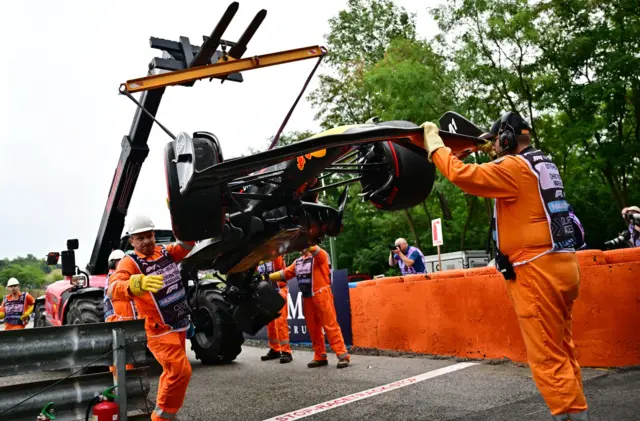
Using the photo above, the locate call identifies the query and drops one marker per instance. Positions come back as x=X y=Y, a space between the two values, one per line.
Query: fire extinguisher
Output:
x=47 y=413
x=104 y=407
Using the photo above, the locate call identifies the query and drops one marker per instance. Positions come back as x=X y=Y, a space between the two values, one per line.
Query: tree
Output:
x=571 y=68
x=358 y=38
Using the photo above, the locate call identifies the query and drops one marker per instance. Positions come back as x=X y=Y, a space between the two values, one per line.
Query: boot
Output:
x=286 y=358
x=317 y=363
x=579 y=416
x=271 y=355
x=343 y=363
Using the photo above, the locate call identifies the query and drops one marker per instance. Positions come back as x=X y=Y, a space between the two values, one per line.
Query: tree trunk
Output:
x=444 y=205
x=426 y=211
x=412 y=228
x=472 y=206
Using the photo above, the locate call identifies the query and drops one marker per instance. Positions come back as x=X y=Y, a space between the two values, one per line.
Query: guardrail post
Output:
x=120 y=378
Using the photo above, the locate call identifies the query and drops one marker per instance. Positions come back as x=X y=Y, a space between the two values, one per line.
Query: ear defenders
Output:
x=507 y=135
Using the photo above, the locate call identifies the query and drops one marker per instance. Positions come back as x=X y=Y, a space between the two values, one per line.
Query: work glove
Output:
x=275 y=277
x=488 y=149
x=139 y=284
x=432 y=139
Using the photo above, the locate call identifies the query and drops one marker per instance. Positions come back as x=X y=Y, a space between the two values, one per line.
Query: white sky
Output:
x=62 y=119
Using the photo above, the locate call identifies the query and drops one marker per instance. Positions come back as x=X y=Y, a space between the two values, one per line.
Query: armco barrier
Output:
x=467 y=313
x=72 y=347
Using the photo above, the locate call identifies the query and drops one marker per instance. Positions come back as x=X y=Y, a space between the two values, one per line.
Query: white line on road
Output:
x=334 y=403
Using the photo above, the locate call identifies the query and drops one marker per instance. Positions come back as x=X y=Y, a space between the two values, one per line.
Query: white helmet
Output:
x=116 y=255
x=12 y=282
x=139 y=223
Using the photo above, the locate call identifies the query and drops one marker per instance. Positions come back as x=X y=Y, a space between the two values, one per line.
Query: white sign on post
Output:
x=436 y=237
x=436 y=232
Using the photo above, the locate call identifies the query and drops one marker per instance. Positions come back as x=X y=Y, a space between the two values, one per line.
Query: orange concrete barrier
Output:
x=467 y=313
x=591 y=257
x=389 y=281
x=623 y=255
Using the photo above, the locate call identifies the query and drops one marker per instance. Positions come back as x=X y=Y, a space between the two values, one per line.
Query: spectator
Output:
x=409 y=258
x=631 y=216
x=631 y=236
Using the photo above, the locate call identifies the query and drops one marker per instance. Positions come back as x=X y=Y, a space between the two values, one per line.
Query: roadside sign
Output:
x=436 y=237
x=436 y=232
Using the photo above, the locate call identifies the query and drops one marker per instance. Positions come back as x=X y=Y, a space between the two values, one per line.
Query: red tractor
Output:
x=79 y=298
x=76 y=299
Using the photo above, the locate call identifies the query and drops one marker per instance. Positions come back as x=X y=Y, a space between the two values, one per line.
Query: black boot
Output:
x=286 y=358
x=317 y=363
x=343 y=363
x=271 y=355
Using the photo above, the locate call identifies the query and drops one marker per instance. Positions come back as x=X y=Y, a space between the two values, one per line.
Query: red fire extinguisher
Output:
x=104 y=407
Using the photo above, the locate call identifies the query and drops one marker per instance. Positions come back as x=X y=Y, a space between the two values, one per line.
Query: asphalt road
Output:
x=250 y=389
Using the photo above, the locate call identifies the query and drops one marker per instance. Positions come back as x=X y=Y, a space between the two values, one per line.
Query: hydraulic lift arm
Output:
x=181 y=64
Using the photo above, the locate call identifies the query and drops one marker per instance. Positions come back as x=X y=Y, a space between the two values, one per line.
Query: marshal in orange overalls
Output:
x=167 y=343
x=278 y=329
x=16 y=310
x=314 y=280
x=547 y=282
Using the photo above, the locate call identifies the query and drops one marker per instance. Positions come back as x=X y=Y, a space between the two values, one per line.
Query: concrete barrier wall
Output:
x=467 y=313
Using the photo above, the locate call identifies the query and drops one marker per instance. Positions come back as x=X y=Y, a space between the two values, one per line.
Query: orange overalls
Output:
x=278 y=329
x=314 y=281
x=167 y=343
x=14 y=308
x=546 y=287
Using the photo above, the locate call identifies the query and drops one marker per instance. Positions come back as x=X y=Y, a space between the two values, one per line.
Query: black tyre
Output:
x=197 y=215
x=218 y=338
x=84 y=310
x=39 y=318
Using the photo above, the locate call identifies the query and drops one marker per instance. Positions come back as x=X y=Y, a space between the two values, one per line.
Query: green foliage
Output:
x=30 y=271
x=358 y=39
x=570 y=67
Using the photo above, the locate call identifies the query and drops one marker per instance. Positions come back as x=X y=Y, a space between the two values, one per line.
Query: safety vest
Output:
x=108 y=304
x=408 y=270
x=267 y=268
x=555 y=206
x=304 y=273
x=171 y=299
x=578 y=230
x=14 y=309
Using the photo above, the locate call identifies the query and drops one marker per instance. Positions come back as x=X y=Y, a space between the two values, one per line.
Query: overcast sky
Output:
x=62 y=119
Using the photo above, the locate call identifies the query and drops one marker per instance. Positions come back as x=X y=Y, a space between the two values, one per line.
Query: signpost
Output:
x=436 y=237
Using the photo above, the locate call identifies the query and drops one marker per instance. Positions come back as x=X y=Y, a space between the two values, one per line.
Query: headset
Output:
x=507 y=135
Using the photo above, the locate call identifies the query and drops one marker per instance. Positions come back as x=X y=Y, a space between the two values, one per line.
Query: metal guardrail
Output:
x=54 y=348
x=73 y=347
x=71 y=396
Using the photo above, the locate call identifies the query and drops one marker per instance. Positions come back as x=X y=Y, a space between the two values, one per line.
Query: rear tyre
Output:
x=218 y=338
x=39 y=318
x=84 y=310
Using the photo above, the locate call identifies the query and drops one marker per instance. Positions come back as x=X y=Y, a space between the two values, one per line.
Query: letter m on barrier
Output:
x=295 y=307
